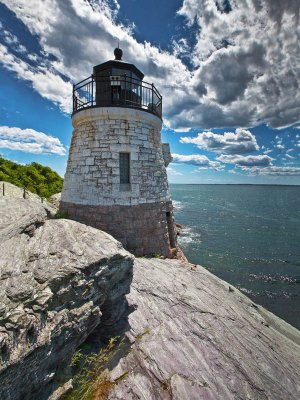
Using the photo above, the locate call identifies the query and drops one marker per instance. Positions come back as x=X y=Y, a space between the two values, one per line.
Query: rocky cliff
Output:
x=192 y=336
x=58 y=281
x=195 y=337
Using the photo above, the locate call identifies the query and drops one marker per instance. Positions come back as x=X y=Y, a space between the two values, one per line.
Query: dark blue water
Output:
x=248 y=236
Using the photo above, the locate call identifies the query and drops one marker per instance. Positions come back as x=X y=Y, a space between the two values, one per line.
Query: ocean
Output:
x=248 y=235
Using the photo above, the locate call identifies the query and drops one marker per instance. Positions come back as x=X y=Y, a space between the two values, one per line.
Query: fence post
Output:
x=3 y=189
x=24 y=193
x=152 y=108
x=92 y=90
x=125 y=91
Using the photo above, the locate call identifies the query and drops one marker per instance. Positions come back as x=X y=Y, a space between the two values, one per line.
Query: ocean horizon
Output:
x=233 y=184
x=248 y=235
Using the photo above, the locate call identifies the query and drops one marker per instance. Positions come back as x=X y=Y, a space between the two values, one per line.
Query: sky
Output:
x=228 y=71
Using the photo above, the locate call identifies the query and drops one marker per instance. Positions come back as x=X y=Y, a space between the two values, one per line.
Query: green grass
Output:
x=91 y=381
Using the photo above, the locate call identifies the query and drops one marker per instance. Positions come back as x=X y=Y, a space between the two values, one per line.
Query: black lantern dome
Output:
x=118 y=54
x=117 y=67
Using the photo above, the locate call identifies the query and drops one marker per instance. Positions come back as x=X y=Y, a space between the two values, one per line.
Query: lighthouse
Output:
x=116 y=176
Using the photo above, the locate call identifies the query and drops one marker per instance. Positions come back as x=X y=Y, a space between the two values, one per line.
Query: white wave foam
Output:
x=187 y=235
x=178 y=205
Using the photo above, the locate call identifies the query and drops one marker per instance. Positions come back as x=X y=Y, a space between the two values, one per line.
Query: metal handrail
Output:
x=116 y=91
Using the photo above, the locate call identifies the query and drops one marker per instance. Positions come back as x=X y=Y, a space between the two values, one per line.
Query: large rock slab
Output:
x=195 y=338
x=59 y=280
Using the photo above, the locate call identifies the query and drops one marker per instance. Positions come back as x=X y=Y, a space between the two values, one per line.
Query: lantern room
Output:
x=116 y=83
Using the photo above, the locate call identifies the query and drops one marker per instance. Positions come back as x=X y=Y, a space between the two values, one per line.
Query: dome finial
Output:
x=118 y=52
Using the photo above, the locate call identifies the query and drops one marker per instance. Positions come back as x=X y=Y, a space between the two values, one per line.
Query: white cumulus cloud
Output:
x=173 y=172
x=81 y=34
x=274 y=171
x=199 y=160
x=280 y=147
x=30 y=141
x=246 y=161
x=245 y=62
x=47 y=83
x=239 y=142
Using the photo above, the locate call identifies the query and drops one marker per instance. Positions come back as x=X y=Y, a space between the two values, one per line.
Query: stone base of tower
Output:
x=144 y=229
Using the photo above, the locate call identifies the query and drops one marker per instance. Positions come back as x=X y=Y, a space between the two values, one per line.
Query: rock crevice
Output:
x=58 y=280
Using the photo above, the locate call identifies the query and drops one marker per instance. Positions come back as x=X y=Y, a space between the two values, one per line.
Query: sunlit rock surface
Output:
x=59 y=280
x=8 y=190
x=194 y=338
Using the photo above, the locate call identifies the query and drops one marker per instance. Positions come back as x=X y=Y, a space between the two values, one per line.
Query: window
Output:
x=124 y=159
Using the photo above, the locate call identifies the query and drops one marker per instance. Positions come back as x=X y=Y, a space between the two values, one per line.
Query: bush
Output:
x=35 y=177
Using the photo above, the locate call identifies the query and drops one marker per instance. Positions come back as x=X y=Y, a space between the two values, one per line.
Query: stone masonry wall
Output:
x=93 y=175
x=139 y=214
x=143 y=229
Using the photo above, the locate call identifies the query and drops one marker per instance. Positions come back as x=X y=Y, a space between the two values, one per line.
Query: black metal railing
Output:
x=116 y=91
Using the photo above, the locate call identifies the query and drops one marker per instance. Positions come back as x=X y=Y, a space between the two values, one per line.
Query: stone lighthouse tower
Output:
x=116 y=177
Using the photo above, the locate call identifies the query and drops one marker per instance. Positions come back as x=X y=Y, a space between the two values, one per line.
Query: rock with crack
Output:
x=194 y=339
x=59 y=280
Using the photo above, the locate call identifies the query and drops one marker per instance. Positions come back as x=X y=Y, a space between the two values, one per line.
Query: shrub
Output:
x=35 y=177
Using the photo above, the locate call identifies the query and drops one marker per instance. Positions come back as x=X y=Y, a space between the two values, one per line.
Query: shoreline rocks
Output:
x=58 y=280
x=194 y=339
x=190 y=335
